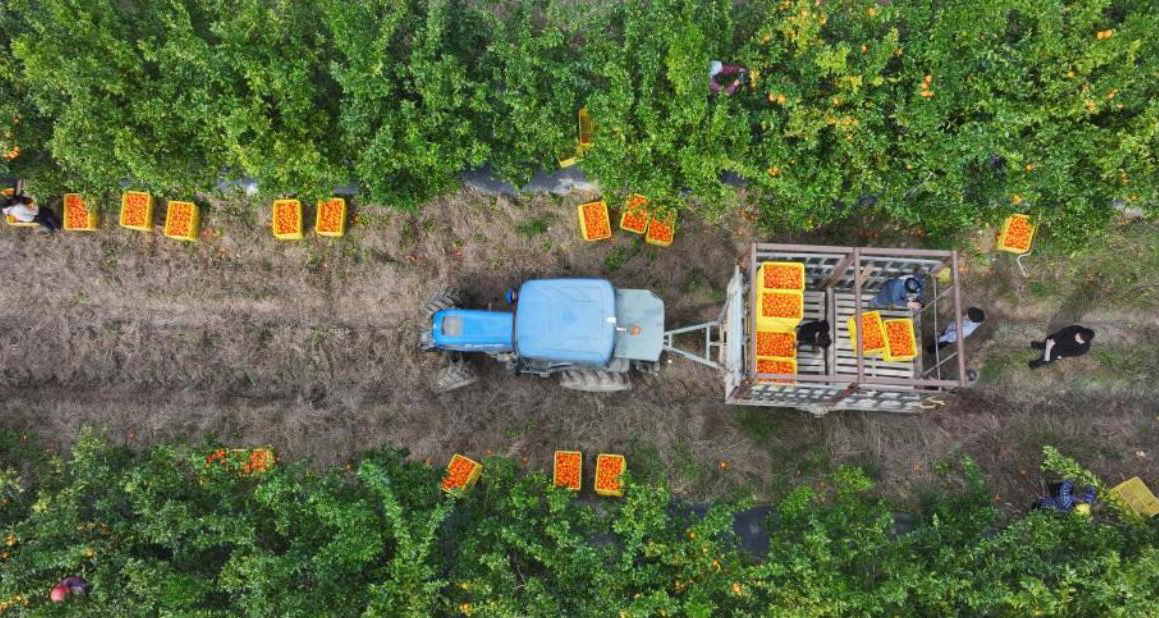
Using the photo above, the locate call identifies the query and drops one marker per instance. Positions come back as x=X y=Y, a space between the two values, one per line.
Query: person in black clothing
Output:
x=815 y=333
x=1070 y=341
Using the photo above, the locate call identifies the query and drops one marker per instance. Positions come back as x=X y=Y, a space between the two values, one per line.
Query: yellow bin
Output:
x=594 y=221
x=78 y=217
x=779 y=310
x=137 y=211
x=1005 y=238
x=770 y=272
x=330 y=218
x=902 y=329
x=609 y=481
x=579 y=462
x=871 y=346
x=462 y=473
x=1135 y=494
x=287 y=220
x=182 y=221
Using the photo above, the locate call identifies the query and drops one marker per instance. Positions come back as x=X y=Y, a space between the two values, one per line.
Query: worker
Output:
x=718 y=69
x=21 y=208
x=969 y=322
x=815 y=333
x=1063 y=500
x=73 y=585
x=902 y=291
x=1071 y=341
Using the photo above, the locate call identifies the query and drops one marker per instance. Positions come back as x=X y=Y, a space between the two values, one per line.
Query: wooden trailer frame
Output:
x=839 y=282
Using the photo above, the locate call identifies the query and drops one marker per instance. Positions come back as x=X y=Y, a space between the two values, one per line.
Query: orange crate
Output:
x=461 y=474
x=779 y=310
x=182 y=220
x=900 y=343
x=567 y=471
x=779 y=344
x=661 y=229
x=287 y=220
x=634 y=219
x=782 y=276
x=330 y=219
x=874 y=340
x=593 y=220
x=777 y=365
x=78 y=217
x=137 y=211
x=1017 y=234
x=251 y=462
x=610 y=475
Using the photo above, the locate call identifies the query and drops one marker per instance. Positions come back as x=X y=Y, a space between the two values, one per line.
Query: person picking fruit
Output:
x=718 y=69
x=1071 y=341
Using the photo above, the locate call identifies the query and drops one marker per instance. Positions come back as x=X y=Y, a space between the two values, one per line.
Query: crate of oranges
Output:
x=661 y=229
x=593 y=220
x=1017 y=234
x=873 y=342
x=78 y=217
x=461 y=474
x=787 y=366
x=900 y=343
x=182 y=220
x=137 y=211
x=567 y=469
x=634 y=219
x=779 y=310
x=287 y=219
x=782 y=276
x=776 y=344
x=331 y=217
x=610 y=475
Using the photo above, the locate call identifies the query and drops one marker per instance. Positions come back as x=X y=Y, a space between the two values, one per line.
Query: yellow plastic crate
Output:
x=287 y=220
x=1135 y=494
x=634 y=219
x=776 y=365
x=661 y=229
x=182 y=220
x=462 y=473
x=777 y=270
x=871 y=348
x=1012 y=245
x=609 y=481
x=330 y=218
x=795 y=300
x=556 y=478
x=252 y=461
x=594 y=221
x=78 y=217
x=903 y=328
x=137 y=211
x=14 y=223
x=770 y=342
x=583 y=141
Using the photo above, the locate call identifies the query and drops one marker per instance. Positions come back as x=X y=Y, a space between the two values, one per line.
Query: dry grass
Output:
x=311 y=347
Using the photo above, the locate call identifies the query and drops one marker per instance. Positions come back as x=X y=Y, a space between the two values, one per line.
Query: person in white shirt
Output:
x=974 y=316
x=21 y=208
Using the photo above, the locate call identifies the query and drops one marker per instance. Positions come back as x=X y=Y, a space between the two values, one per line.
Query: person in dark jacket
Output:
x=1062 y=498
x=69 y=586
x=900 y=292
x=1071 y=341
x=815 y=333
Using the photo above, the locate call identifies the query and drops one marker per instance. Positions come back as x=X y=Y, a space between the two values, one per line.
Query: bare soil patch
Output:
x=311 y=347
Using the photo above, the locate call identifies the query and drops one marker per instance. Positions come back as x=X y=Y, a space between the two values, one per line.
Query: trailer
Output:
x=839 y=283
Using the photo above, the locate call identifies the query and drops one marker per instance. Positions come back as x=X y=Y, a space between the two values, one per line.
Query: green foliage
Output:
x=163 y=533
x=944 y=115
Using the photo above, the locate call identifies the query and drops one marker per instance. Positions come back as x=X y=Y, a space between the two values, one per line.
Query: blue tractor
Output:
x=588 y=332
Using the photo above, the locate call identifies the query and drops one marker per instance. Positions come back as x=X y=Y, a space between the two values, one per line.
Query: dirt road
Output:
x=311 y=347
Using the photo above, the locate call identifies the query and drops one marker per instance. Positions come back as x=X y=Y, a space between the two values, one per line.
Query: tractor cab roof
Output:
x=566 y=320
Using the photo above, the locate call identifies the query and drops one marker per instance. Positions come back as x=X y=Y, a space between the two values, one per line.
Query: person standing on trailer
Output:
x=905 y=291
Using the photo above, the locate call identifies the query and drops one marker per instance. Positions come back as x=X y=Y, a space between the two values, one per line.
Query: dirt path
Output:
x=311 y=347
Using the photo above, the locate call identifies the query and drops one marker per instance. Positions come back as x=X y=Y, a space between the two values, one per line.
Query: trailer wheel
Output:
x=446 y=298
x=454 y=376
x=594 y=381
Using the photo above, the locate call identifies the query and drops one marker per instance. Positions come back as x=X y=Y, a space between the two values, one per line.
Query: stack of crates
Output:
x=779 y=309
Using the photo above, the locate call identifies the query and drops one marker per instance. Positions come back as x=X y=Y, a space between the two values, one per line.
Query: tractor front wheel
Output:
x=594 y=381
x=444 y=299
x=454 y=376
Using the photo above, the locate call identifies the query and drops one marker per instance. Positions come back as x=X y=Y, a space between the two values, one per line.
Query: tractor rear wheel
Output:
x=594 y=380
x=446 y=298
x=454 y=376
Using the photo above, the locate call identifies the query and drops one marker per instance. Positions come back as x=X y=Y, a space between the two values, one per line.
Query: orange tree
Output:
x=163 y=532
